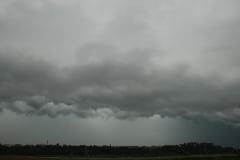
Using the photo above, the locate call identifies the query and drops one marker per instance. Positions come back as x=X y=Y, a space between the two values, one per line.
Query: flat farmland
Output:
x=194 y=157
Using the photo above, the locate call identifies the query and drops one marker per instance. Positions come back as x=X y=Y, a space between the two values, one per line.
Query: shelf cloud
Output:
x=107 y=82
x=121 y=59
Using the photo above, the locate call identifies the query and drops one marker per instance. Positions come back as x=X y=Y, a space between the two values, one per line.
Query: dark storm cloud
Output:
x=151 y=57
x=109 y=83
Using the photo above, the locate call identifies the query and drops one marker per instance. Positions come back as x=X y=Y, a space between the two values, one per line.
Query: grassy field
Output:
x=212 y=157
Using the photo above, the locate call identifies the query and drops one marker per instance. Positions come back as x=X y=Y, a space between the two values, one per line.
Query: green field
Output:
x=199 y=157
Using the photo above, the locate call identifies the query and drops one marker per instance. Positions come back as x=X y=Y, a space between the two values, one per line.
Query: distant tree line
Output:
x=108 y=150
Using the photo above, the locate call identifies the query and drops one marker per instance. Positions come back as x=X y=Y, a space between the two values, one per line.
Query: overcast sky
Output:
x=120 y=72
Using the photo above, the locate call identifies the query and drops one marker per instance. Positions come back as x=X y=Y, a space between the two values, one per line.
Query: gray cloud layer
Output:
x=107 y=82
x=151 y=57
